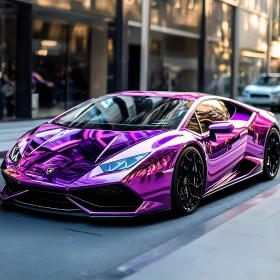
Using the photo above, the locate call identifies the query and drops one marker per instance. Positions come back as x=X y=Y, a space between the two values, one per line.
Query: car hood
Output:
x=262 y=89
x=70 y=153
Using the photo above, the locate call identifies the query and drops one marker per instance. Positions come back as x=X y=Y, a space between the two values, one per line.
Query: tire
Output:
x=186 y=196
x=271 y=154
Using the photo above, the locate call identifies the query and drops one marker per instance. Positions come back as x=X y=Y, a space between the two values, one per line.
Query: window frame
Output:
x=225 y=100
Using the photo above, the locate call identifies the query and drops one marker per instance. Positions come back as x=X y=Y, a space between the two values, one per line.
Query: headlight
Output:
x=245 y=92
x=15 y=154
x=122 y=163
x=276 y=92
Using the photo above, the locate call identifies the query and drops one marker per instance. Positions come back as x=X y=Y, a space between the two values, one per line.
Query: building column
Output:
x=202 y=50
x=23 y=61
x=269 y=36
x=145 y=30
x=235 y=55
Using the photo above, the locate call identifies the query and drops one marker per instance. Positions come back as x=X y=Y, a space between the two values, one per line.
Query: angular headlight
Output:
x=15 y=154
x=122 y=163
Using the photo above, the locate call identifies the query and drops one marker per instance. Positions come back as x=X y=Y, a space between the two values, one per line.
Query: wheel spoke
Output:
x=190 y=181
x=272 y=154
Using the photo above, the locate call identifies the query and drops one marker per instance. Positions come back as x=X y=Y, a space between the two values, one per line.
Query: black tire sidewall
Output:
x=175 y=203
x=265 y=170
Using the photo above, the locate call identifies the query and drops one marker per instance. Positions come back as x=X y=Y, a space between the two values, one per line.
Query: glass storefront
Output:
x=174 y=39
x=74 y=58
x=218 y=76
x=251 y=65
x=71 y=63
x=257 y=5
x=8 y=52
x=173 y=63
x=252 y=38
x=179 y=14
x=49 y=75
x=275 y=65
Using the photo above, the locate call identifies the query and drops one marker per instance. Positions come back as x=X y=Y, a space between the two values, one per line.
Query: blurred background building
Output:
x=55 y=54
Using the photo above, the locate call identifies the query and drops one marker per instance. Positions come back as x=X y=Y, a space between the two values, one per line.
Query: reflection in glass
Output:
x=49 y=66
x=276 y=20
x=180 y=14
x=8 y=70
x=211 y=111
x=78 y=70
x=127 y=113
x=193 y=124
x=250 y=68
x=173 y=63
x=258 y=5
x=267 y=81
x=218 y=48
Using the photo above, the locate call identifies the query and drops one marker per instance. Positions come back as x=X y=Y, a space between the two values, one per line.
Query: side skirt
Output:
x=258 y=170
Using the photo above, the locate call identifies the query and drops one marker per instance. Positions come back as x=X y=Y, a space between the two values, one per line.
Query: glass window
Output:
x=218 y=66
x=133 y=8
x=249 y=69
x=276 y=20
x=96 y=7
x=78 y=69
x=275 y=65
x=267 y=81
x=179 y=14
x=49 y=66
x=173 y=63
x=211 y=111
x=258 y=5
x=102 y=59
x=193 y=125
x=128 y=113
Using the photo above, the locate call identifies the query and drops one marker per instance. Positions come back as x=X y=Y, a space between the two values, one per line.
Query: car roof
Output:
x=170 y=94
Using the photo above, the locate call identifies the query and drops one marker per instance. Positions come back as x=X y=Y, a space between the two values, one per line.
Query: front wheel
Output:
x=188 y=181
x=271 y=154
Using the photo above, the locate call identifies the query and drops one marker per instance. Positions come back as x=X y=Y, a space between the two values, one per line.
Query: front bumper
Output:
x=107 y=200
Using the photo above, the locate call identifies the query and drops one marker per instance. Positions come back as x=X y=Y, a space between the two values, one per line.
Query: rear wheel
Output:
x=271 y=155
x=188 y=181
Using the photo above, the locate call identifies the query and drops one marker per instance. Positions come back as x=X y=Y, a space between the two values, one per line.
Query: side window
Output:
x=193 y=124
x=211 y=111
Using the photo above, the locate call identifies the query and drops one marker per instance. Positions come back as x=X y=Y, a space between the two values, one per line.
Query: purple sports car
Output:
x=134 y=153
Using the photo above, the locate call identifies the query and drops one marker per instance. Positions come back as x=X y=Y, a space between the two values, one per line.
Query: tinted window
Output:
x=193 y=124
x=211 y=111
x=128 y=113
x=267 y=81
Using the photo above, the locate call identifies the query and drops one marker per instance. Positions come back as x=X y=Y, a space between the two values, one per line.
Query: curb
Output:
x=2 y=154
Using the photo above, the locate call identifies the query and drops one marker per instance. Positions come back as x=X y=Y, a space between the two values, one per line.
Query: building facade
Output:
x=55 y=54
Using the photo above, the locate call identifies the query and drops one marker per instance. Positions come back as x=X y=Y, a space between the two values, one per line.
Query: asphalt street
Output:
x=46 y=246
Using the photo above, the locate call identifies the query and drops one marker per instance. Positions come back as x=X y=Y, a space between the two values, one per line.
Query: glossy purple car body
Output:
x=120 y=161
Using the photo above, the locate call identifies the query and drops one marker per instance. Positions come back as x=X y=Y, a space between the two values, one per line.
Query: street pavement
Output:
x=46 y=246
x=243 y=247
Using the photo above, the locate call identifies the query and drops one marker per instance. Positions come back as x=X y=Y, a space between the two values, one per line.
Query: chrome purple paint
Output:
x=76 y=155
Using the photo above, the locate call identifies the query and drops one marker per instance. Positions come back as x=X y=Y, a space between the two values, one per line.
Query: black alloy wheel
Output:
x=272 y=154
x=188 y=181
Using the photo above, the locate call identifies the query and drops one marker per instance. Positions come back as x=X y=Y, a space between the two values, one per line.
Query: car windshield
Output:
x=127 y=113
x=267 y=81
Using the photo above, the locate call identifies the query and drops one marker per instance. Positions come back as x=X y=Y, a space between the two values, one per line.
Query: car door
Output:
x=227 y=150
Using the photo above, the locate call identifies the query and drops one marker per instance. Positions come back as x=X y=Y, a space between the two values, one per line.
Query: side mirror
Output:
x=219 y=127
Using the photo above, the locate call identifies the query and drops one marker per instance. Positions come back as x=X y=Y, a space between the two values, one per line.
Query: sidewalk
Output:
x=11 y=131
x=244 y=247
